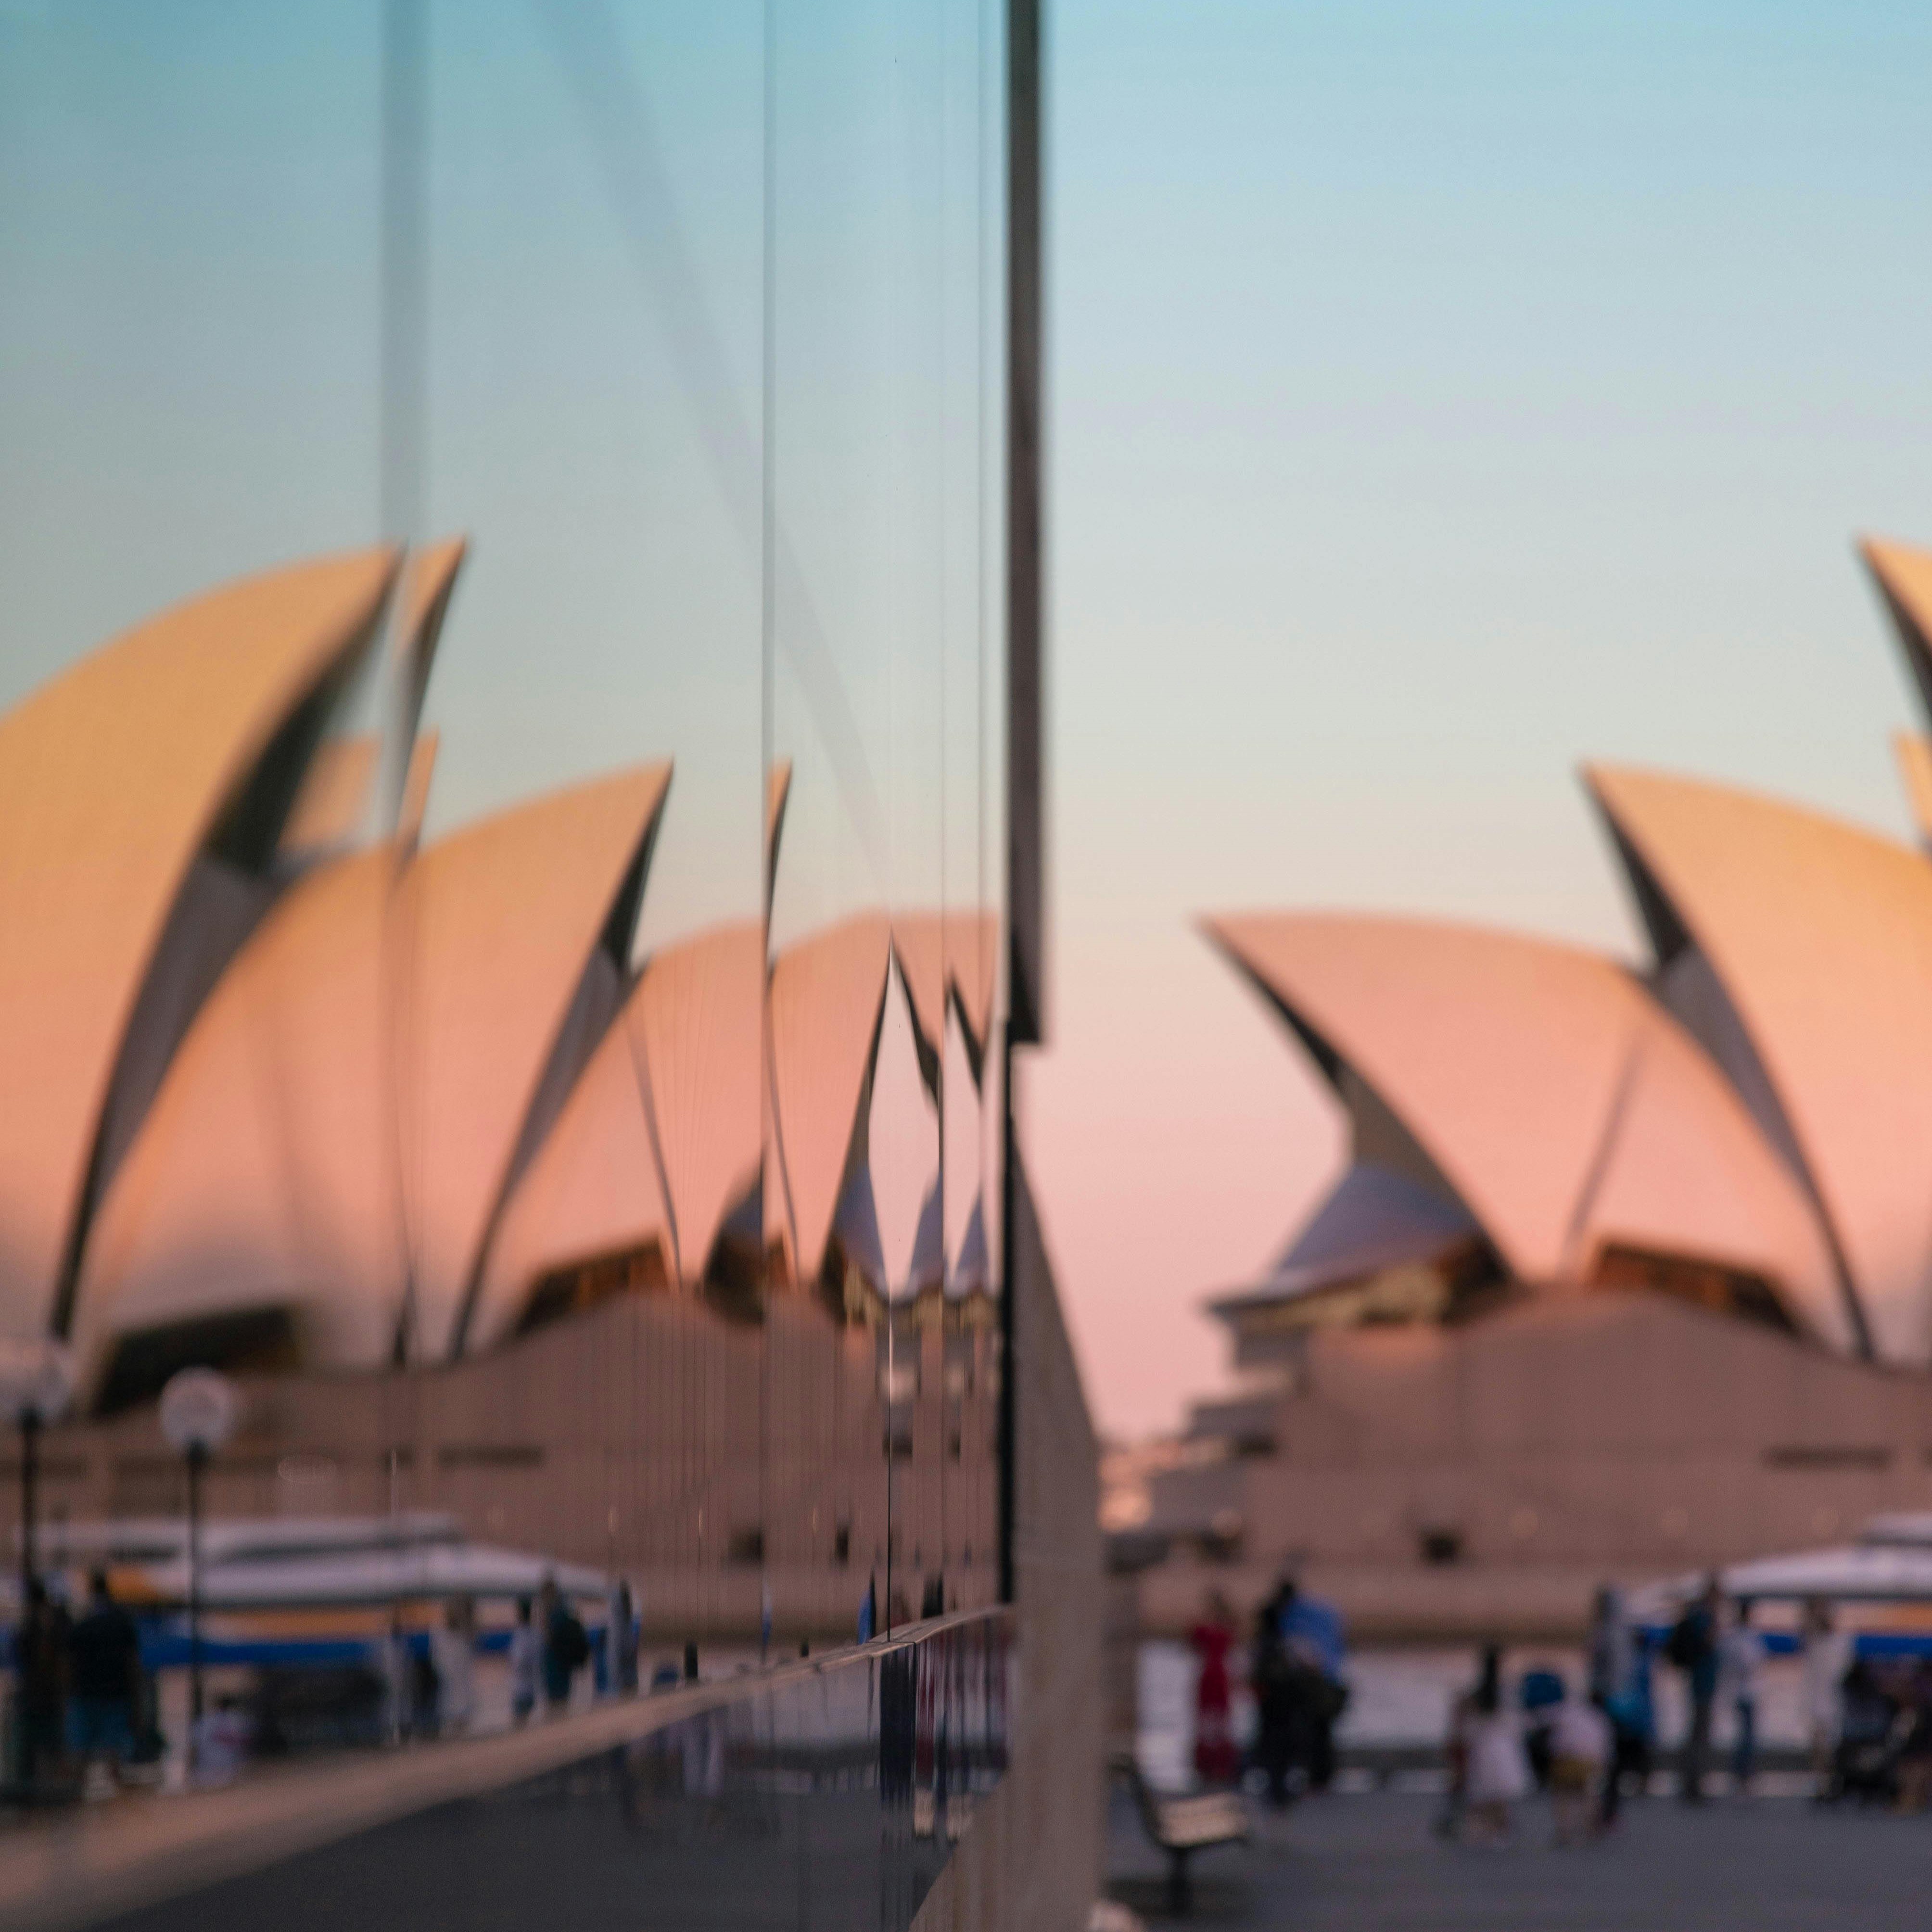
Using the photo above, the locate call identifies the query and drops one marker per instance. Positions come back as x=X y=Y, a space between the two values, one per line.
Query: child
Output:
x=1579 y=1748
x=1496 y=1771
x=525 y=1655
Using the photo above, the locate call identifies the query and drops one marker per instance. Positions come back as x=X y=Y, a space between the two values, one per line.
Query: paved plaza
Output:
x=1369 y=1863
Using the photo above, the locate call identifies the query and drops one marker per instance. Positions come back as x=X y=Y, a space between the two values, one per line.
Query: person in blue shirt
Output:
x=1316 y=1627
x=1312 y=1633
x=1620 y=1687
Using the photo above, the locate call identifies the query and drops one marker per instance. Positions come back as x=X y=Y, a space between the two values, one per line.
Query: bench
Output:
x=1181 y=1824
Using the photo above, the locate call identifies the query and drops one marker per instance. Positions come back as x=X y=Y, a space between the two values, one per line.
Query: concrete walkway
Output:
x=1370 y=1863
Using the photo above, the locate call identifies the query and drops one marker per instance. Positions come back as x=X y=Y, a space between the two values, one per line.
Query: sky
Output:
x=1439 y=394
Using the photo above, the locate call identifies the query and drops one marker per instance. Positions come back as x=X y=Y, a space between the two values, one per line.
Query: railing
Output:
x=828 y=1791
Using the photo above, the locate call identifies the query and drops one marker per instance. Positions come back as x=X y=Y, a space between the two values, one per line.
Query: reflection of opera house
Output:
x=402 y=1137
x=1630 y=1269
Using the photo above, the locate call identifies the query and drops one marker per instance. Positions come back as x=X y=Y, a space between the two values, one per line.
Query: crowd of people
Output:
x=1296 y=1657
x=1588 y=1746
x=84 y=1714
x=82 y=1702
x=108 y=1693
x=1869 y=1721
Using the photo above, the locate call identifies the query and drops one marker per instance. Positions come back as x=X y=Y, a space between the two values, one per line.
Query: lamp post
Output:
x=36 y=1388
x=199 y=1409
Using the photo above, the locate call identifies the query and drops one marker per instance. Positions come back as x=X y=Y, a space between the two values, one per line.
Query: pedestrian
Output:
x=399 y=1680
x=1456 y=1762
x=1827 y=1657
x=1865 y=1756
x=425 y=1688
x=526 y=1659
x=1610 y=1645
x=1631 y=1711
x=1540 y=1692
x=40 y=1680
x=1273 y=1676
x=620 y=1640
x=1915 y=1750
x=1579 y=1756
x=1692 y=1649
x=222 y=1742
x=1497 y=1773
x=453 y=1650
x=1312 y=1630
x=1742 y=1668
x=105 y=1664
x=1216 y=1760
x=566 y=1648
x=1619 y=1687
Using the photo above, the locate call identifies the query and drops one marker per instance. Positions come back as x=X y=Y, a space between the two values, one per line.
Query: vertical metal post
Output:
x=30 y=1474
x=768 y=608
x=1009 y=1418
x=404 y=265
x=1025 y=692
x=1026 y=549
x=197 y=1459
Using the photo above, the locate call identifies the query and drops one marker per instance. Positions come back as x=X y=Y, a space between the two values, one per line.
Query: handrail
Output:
x=144 y=1849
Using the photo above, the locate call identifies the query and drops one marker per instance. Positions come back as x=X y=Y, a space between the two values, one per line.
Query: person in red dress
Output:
x=1216 y=1760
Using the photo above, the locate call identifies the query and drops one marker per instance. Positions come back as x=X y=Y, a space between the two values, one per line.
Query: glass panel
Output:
x=546 y=949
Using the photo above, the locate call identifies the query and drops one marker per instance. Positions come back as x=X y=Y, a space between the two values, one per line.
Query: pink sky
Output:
x=1174 y=1138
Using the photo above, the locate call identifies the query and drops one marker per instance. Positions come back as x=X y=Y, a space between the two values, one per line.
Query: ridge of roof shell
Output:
x=112 y=778
x=329 y=808
x=593 y=1189
x=264 y=1175
x=429 y=581
x=417 y=775
x=660 y=1136
x=1820 y=933
x=1912 y=752
x=947 y=957
x=499 y=921
x=828 y=995
x=697 y=1016
x=1903 y=575
x=1566 y=1109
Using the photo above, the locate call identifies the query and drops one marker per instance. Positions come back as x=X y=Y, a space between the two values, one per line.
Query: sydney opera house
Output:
x=402 y=1135
x=1630 y=1268
x=535 y=1012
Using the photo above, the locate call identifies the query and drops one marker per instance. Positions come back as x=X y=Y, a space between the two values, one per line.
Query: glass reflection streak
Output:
x=829 y=1794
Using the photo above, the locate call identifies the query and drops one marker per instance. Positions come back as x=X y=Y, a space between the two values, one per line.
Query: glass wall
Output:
x=510 y=985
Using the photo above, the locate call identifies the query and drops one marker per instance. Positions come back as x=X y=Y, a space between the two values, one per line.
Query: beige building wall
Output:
x=1561 y=1443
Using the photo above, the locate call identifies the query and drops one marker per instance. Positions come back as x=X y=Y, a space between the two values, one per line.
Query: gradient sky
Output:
x=1441 y=394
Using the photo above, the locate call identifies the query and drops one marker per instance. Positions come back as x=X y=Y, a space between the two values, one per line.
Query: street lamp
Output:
x=199 y=1409
x=36 y=1388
